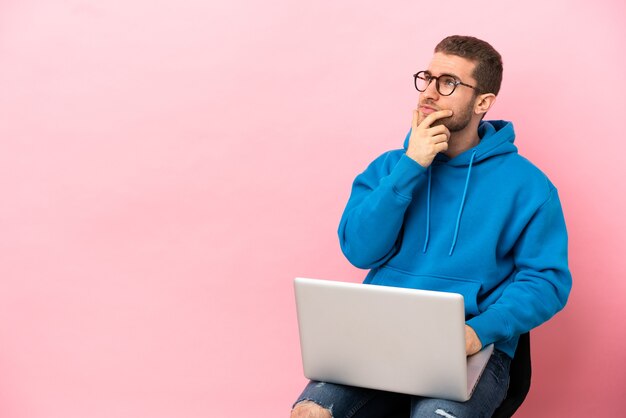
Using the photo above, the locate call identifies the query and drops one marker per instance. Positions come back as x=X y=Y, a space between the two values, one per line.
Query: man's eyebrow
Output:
x=442 y=74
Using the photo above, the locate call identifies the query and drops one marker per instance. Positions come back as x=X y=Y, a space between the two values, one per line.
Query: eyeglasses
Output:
x=445 y=83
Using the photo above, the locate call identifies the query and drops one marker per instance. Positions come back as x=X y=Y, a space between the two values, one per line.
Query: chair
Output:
x=519 y=383
x=520 y=379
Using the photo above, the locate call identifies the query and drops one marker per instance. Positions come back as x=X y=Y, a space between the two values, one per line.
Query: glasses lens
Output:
x=422 y=79
x=446 y=85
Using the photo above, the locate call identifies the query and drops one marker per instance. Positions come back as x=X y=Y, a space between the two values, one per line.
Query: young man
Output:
x=457 y=209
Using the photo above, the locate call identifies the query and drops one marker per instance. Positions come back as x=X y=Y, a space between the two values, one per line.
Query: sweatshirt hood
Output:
x=496 y=138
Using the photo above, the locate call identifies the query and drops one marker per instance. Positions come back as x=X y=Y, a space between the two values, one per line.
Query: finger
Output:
x=441 y=147
x=438 y=129
x=440 y=138
x=414 y=123
x=440 y=114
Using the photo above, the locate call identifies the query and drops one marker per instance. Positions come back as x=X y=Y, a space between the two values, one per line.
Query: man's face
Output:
x=461 y=102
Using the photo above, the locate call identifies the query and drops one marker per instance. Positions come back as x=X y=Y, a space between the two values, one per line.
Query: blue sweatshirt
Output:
x=486 y=224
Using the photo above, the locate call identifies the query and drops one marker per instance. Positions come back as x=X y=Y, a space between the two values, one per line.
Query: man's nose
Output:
x=431 y=91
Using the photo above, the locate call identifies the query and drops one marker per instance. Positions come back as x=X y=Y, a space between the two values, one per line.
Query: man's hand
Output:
x=472 y=342
x=426 y=140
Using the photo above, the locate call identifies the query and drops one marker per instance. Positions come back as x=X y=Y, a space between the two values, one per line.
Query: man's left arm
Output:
x=542 y=283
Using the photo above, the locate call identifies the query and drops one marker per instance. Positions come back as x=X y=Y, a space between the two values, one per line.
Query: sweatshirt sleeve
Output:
x=542 y=284
x=374 y=214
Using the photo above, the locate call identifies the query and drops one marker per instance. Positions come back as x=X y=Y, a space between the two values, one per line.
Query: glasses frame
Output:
x=457 y=82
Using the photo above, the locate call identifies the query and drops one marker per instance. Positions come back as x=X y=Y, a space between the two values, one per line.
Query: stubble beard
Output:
x=457 y=122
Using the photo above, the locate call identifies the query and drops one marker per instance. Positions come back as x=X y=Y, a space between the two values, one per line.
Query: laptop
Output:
x=387 y=338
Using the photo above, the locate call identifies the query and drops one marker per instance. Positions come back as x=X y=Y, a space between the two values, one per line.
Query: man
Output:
x=459 y=210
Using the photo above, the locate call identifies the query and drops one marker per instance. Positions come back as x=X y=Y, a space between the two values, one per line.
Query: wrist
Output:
x=425 y=163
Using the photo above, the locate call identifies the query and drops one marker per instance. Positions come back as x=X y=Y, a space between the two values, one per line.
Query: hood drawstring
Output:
x=427 y=210
x=458 y=219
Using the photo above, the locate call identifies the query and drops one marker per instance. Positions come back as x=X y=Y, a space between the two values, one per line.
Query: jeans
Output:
x=353 y=402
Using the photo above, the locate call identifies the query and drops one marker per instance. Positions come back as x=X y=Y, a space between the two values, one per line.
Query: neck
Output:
x=463 y=140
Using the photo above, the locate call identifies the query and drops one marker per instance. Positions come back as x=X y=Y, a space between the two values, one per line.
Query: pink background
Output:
x=168 y=167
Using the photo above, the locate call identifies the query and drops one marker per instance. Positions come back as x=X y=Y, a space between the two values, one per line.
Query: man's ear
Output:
x=483 y=103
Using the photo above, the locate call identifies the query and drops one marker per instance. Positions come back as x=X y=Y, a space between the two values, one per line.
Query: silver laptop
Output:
x=387 y=338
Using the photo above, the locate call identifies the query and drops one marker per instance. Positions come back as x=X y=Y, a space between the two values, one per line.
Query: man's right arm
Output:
x=373 y=217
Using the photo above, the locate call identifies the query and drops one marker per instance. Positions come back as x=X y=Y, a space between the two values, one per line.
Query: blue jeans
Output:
x=353 y=402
